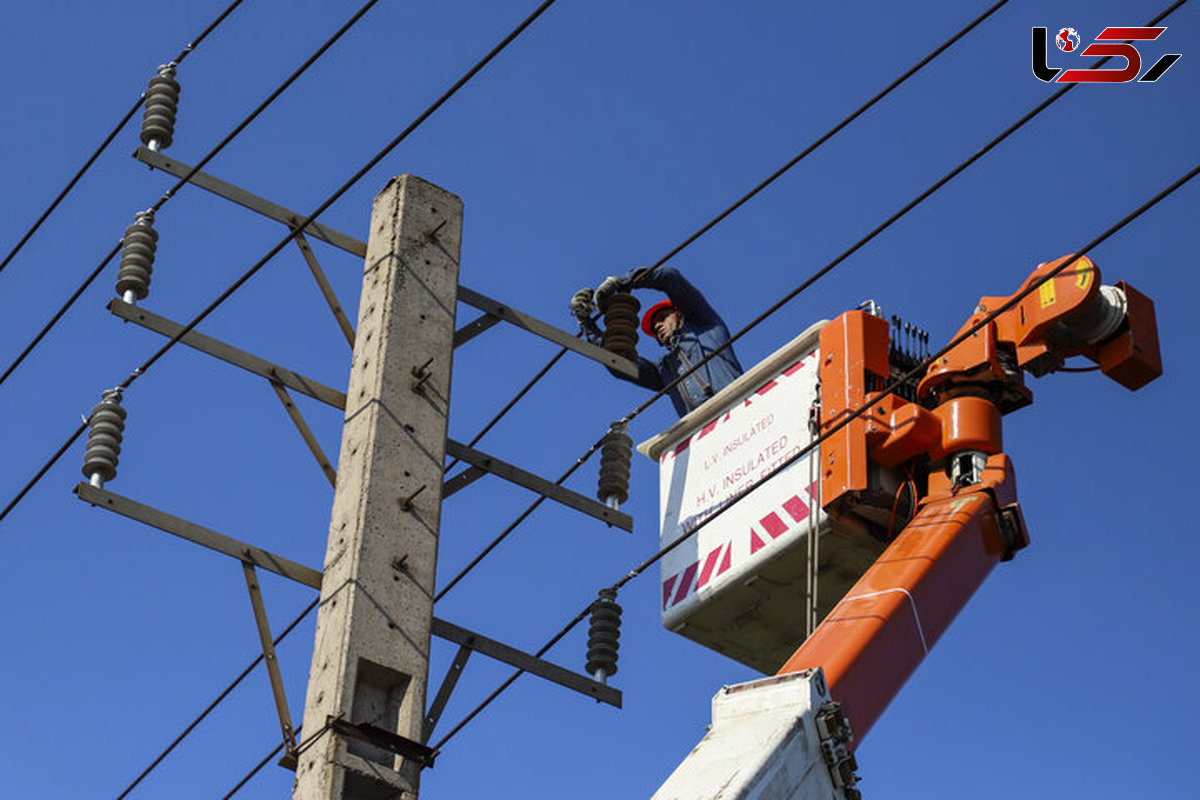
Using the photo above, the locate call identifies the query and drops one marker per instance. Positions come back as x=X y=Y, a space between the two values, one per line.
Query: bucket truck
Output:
x=881 y=533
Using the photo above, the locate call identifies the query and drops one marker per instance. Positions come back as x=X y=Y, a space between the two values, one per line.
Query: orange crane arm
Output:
x=967 y=518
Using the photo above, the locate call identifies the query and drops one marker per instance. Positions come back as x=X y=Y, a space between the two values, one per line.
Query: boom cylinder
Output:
x=879 y=633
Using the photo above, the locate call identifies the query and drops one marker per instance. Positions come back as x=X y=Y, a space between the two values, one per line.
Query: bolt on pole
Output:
x=371 y=658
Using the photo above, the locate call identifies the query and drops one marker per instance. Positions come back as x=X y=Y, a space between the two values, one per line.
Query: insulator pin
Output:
x=137 y=257
x=106 y=429
x=621 y=324
x=162 y=103
x=604 y=635
x=616 y=454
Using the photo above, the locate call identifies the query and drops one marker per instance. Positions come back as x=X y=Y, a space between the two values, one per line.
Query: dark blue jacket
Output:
x=703 y=332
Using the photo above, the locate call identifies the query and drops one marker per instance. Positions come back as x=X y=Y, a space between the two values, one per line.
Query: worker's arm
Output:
x=687 y=298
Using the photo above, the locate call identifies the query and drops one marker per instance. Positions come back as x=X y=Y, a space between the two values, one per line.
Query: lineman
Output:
x=685 y=324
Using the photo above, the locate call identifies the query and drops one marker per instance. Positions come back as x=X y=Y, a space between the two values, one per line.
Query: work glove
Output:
x=582 y=305
x=607 y=288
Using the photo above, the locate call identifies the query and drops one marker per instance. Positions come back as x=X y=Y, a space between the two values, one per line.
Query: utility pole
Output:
x=366 y=693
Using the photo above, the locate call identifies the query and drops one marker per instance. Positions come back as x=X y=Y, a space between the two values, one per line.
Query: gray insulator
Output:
x=137 y=256
x=162 y=102
x=604 y=634
x=106 y=428
x=616 y=453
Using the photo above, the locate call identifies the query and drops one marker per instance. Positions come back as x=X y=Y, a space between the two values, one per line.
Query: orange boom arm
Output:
x=948 y=441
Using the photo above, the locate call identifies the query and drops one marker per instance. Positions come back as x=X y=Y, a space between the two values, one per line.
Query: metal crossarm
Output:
x=249 y=200
x=230 y=354
x=547 y=331
x=199 y=534
x=256 y=557
x=528 y=663
x=538 y=484
x=490 y=307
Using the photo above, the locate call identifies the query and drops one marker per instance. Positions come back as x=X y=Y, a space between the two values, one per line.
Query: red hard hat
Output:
x=648 y=318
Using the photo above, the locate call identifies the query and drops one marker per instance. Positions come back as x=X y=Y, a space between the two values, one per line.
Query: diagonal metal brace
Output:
x=473 y=328
x=446 y=689
x=331 y=298
x=462 y=480
x=538 y=484
x=548 y=331
x=230 y=354
x=522 y=660
x=392 y=742
x=268 y=648
x=306 y=433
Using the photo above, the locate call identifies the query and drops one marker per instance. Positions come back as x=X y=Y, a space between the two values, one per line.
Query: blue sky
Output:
x=600 y=140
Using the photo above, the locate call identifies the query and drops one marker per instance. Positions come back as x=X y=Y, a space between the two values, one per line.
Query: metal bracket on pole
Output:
x=198 y=534
x=268 y=648
x=229 y=354
x=394 y=743
x=538 y=484
x=444 y=691
x=462 y=480
x=306 y=432
x=326 y=288
x=473 y=328
x=547 y=331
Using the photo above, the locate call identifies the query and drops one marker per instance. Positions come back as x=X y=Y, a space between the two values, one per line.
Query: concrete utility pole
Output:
x=371 y=658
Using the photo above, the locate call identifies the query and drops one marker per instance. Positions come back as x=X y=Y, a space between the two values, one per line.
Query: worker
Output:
x=685 y=324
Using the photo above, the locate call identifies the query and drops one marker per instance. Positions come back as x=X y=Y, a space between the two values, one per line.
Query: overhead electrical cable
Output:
x=304 y=745
x=774 y=176
x=915 y=371
x=187 y=50
x=167 y=195
x=254 y=662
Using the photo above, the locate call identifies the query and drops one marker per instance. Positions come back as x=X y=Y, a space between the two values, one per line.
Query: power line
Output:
x=257 y=768
x=216 y=701
x=706 y=227
x=304 y=745
x=516 y=398
x=642 y=567
x=167 y=195
x=579 y=462
x=187 y=50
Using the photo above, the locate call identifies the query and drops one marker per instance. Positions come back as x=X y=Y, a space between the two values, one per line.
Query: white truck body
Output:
x=766 y=743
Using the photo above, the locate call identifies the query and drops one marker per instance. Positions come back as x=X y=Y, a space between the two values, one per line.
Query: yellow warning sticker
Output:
x=1083 y=275
x=1046 y=293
